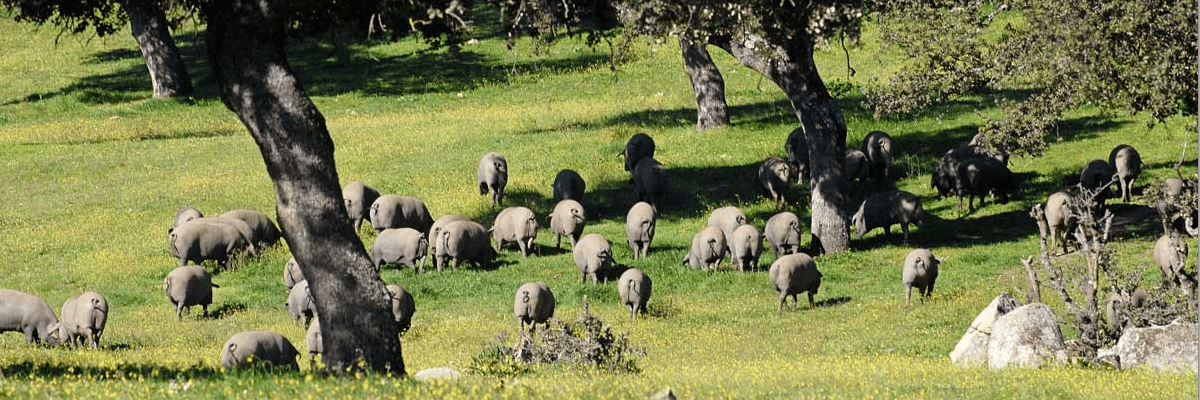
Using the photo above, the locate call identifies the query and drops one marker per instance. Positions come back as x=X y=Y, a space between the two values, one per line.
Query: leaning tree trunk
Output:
x=707 y=84
x=790 y=65
x=246 y=49
x=168 y=75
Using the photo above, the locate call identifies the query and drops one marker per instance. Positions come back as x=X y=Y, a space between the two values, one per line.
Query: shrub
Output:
x=585 y=342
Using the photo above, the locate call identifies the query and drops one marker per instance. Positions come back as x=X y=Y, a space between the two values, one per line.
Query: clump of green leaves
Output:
x=1041 y=60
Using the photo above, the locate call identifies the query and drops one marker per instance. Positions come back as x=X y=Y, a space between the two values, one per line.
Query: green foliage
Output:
x=1040 y=60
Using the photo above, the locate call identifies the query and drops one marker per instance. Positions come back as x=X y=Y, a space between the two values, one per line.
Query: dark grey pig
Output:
x=83 y=317
x=592 y=253
x=639 y=146
x=464 y=241
x=639 y=228
x=634 y=287
x=391 y=211
x=774 y=175
x=783 y=233
x=405 y=246
x=567 y=219
x=533 y=304
x=188 y=286
x=259 y=349
x=794 y=274
x=515 y=224
x=358 y=198
x=492 y=176
x=29 y=314
x=882 y=210
x=568 y=185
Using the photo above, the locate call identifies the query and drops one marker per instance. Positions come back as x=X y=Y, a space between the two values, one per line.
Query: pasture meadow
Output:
x=93 y=171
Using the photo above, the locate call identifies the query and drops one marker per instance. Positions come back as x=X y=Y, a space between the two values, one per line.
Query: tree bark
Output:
x=707 y=84
x=790 y=66
x=246 y=49
x=168 y=75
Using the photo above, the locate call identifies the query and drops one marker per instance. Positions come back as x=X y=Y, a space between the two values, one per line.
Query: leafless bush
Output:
x=1098 y=277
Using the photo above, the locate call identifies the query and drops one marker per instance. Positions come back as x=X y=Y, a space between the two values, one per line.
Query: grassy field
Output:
x=94 y=170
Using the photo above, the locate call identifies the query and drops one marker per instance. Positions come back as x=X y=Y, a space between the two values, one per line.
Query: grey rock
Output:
x=1026 y=337
x=1170 y=348
x=971 y=350
x=438 y=373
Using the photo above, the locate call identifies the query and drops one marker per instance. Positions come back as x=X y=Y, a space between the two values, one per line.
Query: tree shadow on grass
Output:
x=1008 y=226
x=419 y=72
x=833 y=301
x=35 y=370
x=226 y=310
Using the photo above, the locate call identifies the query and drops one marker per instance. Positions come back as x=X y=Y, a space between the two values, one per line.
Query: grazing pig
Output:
x=391 y=212
x=640 y=146
x=592 y=253
x=29 y=314
x=783 y=233
x=259 y=349
x=877 y=146
x=403 y=306
x=920 y=271
x=492 y=176
x=242 y=227
x=886 y=209
x=1095 y=178
x=1171 y=255
x=568 y=185
x=435 y=231
x=300 y=303
x=774 y=174
x=359 y=198
x=650 y=180
x=185 y=214
x=945 y=176
x=567 y=219
x=406 y=246
x=1127 y=165
x=727 y=218
x=857 y=166
x=634 y=287
x=979 y=176
x=515 y=224
x=745 y=245
x=292 y=273
x=203 y=239
x=464 y=241
x=263 y=232
x=1060 y=220
x=312 y=340
x=708 y=248
x=83 y=317
x=794 y=274
x=534 y=304
x=188 y=286
x=797 y=153
x=639 y=228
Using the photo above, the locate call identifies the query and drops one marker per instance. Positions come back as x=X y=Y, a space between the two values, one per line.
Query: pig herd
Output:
x=406 y=234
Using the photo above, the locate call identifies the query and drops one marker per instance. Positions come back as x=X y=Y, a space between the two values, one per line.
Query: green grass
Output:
x=94 y=170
